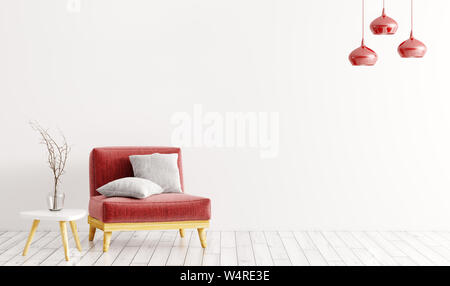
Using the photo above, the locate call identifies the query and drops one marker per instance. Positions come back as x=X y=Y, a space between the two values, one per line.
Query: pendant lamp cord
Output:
x=362 y=41
x=412 y=22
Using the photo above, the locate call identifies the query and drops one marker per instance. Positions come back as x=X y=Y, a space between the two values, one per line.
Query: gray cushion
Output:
x=159 y=168
x=130 y=187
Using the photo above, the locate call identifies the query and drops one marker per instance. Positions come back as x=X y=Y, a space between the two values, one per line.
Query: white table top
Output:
x=62 y=215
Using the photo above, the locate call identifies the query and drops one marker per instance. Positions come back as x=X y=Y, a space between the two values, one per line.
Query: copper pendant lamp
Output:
x=363 y=56
x=383 y=25
x=412 y=48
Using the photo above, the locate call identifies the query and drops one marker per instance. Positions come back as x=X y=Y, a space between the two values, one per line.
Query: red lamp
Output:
x=412 y=48
x=383 y=25
x=363 y=56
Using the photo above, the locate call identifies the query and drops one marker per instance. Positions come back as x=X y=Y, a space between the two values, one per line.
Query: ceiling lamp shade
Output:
x=412 y=48
x=363 y=55
x=383 y=25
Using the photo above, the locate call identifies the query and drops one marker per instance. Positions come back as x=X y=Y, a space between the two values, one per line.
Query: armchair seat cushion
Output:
x=155 y=208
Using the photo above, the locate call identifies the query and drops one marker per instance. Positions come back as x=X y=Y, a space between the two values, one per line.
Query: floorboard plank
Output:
x=445 y=234
x=337 y=263
x=228 y=254
x=408 y=250
x=57 y=257
x=16 y=249
x=293 y=249
x=324 y=247
x=244 y=249
x=304 y=240
x=126 y=256
x=389 y=235
x=4 y=239
x=19 y=238
x=34 y=249
x=366 y=257
x=179 y=250
x=131 y=248
x=426 y=251
x=194 y=255
x=40 y=256
x=263 y=257
x=310 y=250
x=441 y=240
x=333 y=239
x=147 y=249
x=211 y=255
x=404 y=261
x=11 y=233
x=387 y=245
x=138 y=238
x=435 y=243
x=348 y=238
x=348 y=256
x=97 y=257
x=276 y=248
x=381 y=255
x=425 y=239
x=162 y=251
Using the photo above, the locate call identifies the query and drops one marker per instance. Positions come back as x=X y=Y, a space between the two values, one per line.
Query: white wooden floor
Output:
x=234 y=248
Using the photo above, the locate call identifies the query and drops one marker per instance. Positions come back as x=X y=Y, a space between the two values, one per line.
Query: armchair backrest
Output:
x=107 y=164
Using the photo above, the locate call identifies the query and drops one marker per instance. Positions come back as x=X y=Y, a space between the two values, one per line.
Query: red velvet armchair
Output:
x=162 y=211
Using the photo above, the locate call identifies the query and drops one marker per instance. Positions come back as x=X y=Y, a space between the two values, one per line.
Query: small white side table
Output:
x=63 y=216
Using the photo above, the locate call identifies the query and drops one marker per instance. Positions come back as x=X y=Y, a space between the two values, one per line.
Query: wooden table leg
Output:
x=63 y=228
x=30 y=236
x=73 y=226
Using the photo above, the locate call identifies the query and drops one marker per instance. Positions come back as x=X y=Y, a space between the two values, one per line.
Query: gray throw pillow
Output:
x=159 y=168
x=130 y=187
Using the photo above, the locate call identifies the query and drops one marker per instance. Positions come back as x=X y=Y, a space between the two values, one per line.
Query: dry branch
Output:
x=57 y=153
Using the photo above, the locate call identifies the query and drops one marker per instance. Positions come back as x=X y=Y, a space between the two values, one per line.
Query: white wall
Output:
x=360 y=148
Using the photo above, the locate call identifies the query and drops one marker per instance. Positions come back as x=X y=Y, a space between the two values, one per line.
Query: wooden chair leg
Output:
x=30 y=236
x=73 y=226
x=202 y=236
x=181 y=232
x=91 y=232
x=65 y=240
x=106 y=240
